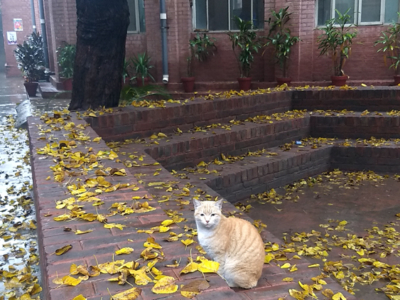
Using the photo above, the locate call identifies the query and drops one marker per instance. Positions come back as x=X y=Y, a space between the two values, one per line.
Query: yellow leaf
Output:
x=338 y=296
x=25 y=297
x=207 y=266
x=285 y=266
x=339 y=275
x=126 y=250
x=97 y=140
x=342 y=223
x=63 y=250
x=287 y=279
x=63 y=217
x=79 y=297
x=152 y=243
x=167 y=222
x=140 y=276
x=314 y=266
x=83 y=232
x=293 y=268
x=130 y=294
x=162 y=135
x=68 y=280
x=114 y=225
x=268 y=258
x=36 y=289
x=191 y=267
x=187 y=242
x=165 y=285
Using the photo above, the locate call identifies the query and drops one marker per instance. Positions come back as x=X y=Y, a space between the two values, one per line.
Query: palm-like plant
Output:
x=201 y=47
x=141 y=65
x=390 y=46
x=280 y=38
x=247 y=42
x=336 y=41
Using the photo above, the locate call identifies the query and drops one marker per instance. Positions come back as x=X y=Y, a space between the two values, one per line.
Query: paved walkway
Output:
x=170 y=195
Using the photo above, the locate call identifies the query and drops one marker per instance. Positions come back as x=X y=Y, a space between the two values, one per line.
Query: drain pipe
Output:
x=164 y=47
x=44 y=35
x=33 y=15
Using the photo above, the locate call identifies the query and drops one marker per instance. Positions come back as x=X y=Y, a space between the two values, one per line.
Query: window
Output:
x=362 y=12
x=217 y=15
x=136 y=17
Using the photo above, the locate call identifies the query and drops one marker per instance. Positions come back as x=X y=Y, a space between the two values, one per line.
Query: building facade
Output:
x=186 y=17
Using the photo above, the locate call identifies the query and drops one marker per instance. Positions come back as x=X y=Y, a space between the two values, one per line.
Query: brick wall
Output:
x=305 y=64
x=15 y=9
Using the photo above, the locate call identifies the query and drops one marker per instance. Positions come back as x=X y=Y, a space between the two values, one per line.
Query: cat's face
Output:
x=207 y=213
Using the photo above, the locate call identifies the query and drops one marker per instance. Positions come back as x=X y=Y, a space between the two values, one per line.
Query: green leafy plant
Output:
x=247 y=42
x=201 y=47
x=280 y=38
x=66 y=59
x=336 y=41
x=141 y=65
x=126 y=70
x=130 y=94
x=30 y=58
x=390 y=45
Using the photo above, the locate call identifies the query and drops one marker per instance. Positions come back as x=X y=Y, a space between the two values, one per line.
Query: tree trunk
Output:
x=100 y=52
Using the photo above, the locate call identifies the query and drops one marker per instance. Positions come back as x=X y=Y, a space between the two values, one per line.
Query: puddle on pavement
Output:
x=307 y=214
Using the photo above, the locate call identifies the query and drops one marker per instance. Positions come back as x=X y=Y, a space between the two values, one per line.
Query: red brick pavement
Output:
x=102 y=243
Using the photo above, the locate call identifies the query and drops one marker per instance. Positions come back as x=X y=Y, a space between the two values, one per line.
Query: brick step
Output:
x=189 y=148
x=356 y=124
x=134 y=122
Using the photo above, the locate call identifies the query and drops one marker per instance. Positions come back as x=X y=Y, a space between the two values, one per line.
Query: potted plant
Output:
x=247 y=43
x=125 y=73
x=30 y=60
x=282 y=41
x=201 y=47
x=336 y=42
x=141 y=65
x=66 y=60
x=390 y=41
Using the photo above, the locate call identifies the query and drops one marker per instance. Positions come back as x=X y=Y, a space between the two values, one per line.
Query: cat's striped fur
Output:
x=234 y=243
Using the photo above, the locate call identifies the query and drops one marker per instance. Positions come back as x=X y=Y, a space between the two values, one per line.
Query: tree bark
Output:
x=100 y=53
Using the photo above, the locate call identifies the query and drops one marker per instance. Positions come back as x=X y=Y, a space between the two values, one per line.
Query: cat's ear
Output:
x=218 y=204
x=196 y=203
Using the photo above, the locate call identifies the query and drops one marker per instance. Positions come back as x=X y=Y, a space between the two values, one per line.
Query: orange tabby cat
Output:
x=234 y=243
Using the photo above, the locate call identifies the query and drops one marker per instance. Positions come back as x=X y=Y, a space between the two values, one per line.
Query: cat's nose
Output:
x=207 y=221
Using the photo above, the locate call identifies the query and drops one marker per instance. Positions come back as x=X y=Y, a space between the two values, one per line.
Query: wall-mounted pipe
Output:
x=44 y=35
x=164 y=46
x=33 y=15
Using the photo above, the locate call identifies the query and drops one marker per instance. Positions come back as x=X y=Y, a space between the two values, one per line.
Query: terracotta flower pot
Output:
x=31 y=88
x=188 y=84
x=339 y=80
x=140 y=82
x=283 y=80
x=396 y=79
x=67 y=83
x=244 y=83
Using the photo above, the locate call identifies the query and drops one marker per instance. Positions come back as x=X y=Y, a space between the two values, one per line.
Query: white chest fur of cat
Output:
x=234 y=243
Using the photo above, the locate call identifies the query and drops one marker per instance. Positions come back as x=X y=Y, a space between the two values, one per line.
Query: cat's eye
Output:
x=202 y=215
x=212 y=215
